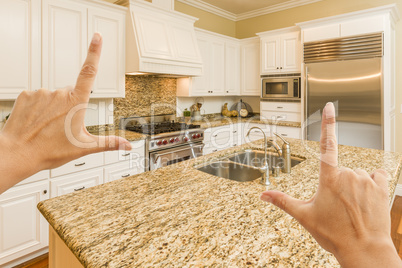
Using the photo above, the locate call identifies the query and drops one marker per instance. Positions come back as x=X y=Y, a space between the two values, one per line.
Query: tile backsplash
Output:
x=146 y=95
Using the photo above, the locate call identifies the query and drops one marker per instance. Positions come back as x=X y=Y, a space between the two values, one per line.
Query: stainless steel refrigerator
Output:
x=354 y=85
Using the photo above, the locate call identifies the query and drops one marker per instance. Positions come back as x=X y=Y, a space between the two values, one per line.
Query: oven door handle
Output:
x=184 y=149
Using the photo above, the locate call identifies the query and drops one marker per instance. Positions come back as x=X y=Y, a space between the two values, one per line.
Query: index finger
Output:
x=328 y=143
x=88 y=72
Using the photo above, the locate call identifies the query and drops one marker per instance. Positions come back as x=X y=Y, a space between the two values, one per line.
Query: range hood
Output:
x=160 y=41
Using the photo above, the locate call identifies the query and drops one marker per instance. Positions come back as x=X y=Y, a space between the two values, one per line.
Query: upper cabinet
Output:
x=280 y=51
x=221 y=59
x=47 y=41
x=250 y=67
x=68 y=27
x=20 y=49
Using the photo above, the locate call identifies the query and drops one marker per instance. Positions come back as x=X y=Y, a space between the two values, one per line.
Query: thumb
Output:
x=111 y=143
x=283 y=201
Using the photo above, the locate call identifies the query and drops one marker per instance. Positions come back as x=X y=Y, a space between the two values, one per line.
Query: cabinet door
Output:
x=217 y=74
x=23 y=229
x=250 y=69
x=110 y=79
x=290 y=52
x=64 y=42
x=270 y=55
x=232 y=69
x=76 y=182
x=201 y=84
x=20 y=49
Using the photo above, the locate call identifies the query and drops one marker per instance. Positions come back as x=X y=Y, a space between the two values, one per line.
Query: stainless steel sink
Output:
x=231 y=170
x=242 y=166
x=255 y=158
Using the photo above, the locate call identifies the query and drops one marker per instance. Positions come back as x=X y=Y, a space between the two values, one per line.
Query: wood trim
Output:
x=60 y=256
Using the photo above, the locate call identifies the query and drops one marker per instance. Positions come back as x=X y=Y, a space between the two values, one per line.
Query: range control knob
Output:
x=159 y=143
x=194 y=136
x=185 y=139
x=198 y=135
x=177 y=139
x=171 y=140
x=165 y=142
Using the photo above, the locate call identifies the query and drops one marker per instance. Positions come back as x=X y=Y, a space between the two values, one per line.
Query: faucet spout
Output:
x=265 y=168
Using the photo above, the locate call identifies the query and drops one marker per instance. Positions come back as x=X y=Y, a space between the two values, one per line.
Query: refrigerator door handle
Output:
x=304 y=131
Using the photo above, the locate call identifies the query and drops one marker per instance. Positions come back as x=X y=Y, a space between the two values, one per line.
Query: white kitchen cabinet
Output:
x=221 y=61
x=41 y=175
x=232 y=68
x=23 y=229
x=280 y=51
x=289 y=132
x=250 y=67
x=255 y=134
x=80 y=164
x=121 y=170
x=67 y=29
x=75 y=182
x=281 y=111
x=110 y=80
x=220 y=138
x=64 y=42
x=20 y=50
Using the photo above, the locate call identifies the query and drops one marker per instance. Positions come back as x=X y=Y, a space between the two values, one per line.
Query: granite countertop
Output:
x=177 y=216
x=106 y=130
x=221 y=121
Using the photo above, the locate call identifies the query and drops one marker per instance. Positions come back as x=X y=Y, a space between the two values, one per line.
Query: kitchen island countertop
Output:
x=177 y=216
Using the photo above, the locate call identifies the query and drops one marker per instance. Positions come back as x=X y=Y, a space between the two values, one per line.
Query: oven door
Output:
x=277 y=88
x=174 y=155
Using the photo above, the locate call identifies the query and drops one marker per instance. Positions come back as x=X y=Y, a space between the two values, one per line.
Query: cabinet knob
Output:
x=277 y=68
x=281 y=68
x=44 y=191
x=92 y=91
x=227 y=91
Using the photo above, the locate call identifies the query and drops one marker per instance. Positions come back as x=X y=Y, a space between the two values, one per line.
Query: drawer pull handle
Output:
x=127 y=154
x=79 y=189
x=125 y=176
x=234 y=145
x=285 y=135
x=235 y=131
x=214 y=150
x=215 y=136
x=80 y=164
x=279 y=107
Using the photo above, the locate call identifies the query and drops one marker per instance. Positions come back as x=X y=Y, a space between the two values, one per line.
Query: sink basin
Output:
x=231 y=170
x=255 y=158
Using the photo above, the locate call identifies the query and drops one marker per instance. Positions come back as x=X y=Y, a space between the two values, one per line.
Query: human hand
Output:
x=46 y=128
x=349 y=214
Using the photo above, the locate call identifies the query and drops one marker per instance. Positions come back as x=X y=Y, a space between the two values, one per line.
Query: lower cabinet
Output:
x=122 y=170
x=75 y=182
x=23 y=229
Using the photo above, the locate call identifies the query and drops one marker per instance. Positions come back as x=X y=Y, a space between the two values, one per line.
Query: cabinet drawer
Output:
x=121 y=170
x=75 y=182
x=80 y=164
x=41 y=175
x=281 y=106
x=218 y=132
x=289 y=132
x=281 y=116
x=137 y=151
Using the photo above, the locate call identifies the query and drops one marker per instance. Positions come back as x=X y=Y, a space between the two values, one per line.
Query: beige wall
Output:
x=208 y=21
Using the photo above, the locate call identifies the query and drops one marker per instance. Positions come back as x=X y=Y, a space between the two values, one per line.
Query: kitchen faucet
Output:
x=265 y=168
x=284 y=152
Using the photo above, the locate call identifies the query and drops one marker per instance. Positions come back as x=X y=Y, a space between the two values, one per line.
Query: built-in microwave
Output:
x=274 y=87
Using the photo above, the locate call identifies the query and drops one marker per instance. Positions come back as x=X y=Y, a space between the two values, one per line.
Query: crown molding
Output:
x=247 y=15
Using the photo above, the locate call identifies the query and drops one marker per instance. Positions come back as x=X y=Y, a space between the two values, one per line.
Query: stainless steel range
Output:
x=168 y=142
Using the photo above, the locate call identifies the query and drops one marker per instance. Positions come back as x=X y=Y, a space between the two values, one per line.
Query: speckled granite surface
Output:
x=221 y=121
x=180 y=217
x=106 y=130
